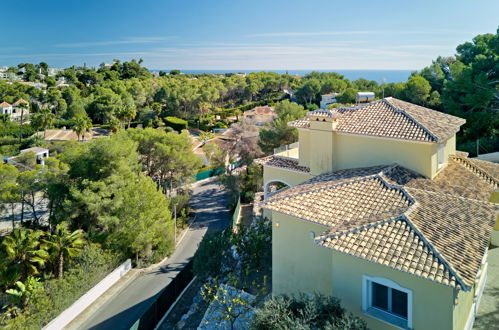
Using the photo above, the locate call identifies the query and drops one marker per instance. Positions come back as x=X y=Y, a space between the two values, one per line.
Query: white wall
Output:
x=88 y=298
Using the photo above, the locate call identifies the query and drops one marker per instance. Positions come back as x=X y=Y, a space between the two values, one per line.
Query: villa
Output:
x=14 y=110
x=381 y=211
x=259 y=116
x=327 y=99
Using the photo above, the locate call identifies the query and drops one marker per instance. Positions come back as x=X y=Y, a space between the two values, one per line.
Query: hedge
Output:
x=177 y=124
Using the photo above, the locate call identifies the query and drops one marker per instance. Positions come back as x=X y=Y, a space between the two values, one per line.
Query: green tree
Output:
x=82 y=125
x=43 y=119
x=205 y=137
x=63 y=244
x=279 y=132
x=23 y=252
x=348 y=96
x=417 y=90
x=9 y=191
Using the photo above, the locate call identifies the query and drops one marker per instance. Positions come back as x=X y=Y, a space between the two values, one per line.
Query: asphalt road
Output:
x=122 y=310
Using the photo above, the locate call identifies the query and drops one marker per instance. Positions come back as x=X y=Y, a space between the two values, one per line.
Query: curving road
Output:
x=122 y=310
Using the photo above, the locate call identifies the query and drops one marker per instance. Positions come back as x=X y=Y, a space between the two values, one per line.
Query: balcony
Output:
x=289 y=151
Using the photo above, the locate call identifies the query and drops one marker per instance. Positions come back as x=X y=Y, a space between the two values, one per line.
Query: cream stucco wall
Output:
x=322 y=147
x=304 y=151
x=353 y=151
x=298 y=264
x=495 y=233
x=432 y=302
x=324 y=150
x=291 y=178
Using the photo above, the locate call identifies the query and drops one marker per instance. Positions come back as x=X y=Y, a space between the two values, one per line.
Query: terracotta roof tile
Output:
x=343 y=205
x=407 y=252
x=437 y=229
x=286 y=163
x=390 y=118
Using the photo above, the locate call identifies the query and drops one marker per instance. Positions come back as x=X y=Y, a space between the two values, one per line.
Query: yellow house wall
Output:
x=292 y=178
x=495 y=233
x=449 y=149
x=298 y=263
x=358 y=151
x=304 y=149
x=432 y=302
x=322 y=151
x=463 y=308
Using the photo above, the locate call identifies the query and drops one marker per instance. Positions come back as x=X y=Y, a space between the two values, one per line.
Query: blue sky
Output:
x=271 y=34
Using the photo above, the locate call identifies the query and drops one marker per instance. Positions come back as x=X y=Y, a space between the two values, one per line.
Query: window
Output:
x=441 y=155
x=386 y=300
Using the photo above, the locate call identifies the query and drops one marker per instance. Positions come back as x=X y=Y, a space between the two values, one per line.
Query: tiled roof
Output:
x=340 y=205
x=20 y=101
x=299 y=123
x=409 y=253
x=390 y=118
x=457 y=228
x=437 y=229
x=286 y=163
x=4 y=105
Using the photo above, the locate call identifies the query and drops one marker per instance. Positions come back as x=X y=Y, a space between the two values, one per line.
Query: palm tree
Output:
x=23 y=251
x=82 y=125
x=64 y=245
x=22 y=105
x=45 y=118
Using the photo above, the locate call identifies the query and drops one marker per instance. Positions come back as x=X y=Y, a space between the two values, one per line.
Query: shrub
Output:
x=176 y=123
x=210 y=253
x=303 y=312
x=85 y=271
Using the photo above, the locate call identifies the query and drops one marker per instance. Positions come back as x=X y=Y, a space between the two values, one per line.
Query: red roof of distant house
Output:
x=265 y=110
x=20 y=101
x=4 y=105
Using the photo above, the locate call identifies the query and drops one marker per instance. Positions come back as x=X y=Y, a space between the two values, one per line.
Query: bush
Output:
x=176 y=123
x=210 y=253
x=85 y=271
x=302 y=312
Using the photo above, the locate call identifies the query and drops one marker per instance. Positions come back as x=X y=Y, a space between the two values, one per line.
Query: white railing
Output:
x=70 y=313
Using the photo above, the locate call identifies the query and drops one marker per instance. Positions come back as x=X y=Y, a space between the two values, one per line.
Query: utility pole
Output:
x=477 y=147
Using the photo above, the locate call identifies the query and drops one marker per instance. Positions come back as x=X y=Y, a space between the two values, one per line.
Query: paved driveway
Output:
x=487 y=316
x=121 y=311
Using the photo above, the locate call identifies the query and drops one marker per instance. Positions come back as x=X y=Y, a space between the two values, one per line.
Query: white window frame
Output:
x=382 y=315
x=440 y=156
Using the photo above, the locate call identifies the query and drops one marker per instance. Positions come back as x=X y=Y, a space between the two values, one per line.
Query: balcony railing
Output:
x=287 y=151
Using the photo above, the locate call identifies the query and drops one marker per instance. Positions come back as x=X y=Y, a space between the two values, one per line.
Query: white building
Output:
x=328 y=99
x=14 y=110
x=40 y=154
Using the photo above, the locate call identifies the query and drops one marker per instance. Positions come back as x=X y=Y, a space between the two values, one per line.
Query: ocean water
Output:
x=377 y=75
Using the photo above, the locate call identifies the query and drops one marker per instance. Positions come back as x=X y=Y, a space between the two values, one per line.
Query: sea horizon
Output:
x=389 y=76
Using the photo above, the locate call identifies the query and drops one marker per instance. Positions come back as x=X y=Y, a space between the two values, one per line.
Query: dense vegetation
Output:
x=125 y=93
x=304 y=312
x=107 y=199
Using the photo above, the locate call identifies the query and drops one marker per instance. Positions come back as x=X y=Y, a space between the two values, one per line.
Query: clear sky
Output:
x=241 y=34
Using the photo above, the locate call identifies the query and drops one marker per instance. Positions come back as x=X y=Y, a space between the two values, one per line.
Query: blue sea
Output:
x=377 y=75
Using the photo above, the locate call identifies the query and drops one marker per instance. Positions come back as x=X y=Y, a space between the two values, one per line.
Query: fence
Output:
x=216 y=171
x=209 y=173
x=165 y=299
x=88 y=298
